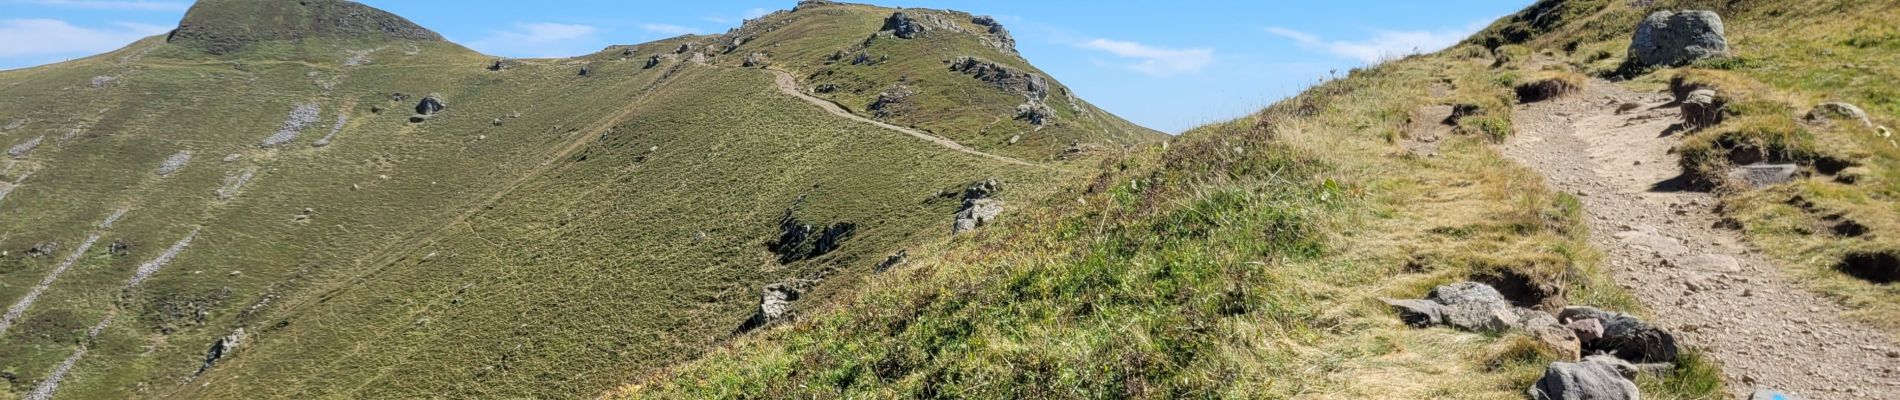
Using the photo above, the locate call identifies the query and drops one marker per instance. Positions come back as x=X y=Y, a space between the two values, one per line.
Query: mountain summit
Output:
x=226 y=26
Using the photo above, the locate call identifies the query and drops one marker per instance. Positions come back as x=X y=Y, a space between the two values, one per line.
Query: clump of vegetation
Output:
x=1546 y=85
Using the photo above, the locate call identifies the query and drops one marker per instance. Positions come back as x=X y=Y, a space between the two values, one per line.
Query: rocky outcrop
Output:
x=42 y=249
x=905 y=26
x=501 y=64
x=775 y=304
x=1035 y=112
x=174 y=163
x=755 y=60
x=222 y=348
x=998 y=37
x=1674 y=38
x=892 y=102
x=798 y=240
x=25 y=147
x=1587 y=380
x=1027 y=84
x=979 y=206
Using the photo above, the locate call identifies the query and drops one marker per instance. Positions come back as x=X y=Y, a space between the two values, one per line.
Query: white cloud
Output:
x=1383 y=45
x=39 y=37
x=756 y=12
x=131 y=5
x=540 y=39
x=667 y=29
x=1156 y=61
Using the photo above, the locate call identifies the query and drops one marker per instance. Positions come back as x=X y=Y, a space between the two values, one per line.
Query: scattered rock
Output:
x=1477 y=307
x=174 y=163
x=1625 y=336
x=656 y=60
x=798 y=240
x=1028 y=84
x=501 y=65
x=301 y=116
x=586 y=70
x=25 y=147
x=1675 y=38
x=1035 y=112
x=1587 y=380
x=233 y=157
x=103 y=81
x=119 y=248
x=1588 y=329
x=430 y=106
x=1829 y=112
x=1764 y=175
x=775 y=304
x=756 y=59
x=894 y=260
x=42 y=249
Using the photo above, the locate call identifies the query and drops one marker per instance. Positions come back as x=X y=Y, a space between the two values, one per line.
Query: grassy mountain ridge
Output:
x=549 y=233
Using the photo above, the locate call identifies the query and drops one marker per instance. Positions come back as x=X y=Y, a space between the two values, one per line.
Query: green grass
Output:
x=1244 y=261
x=454 y=257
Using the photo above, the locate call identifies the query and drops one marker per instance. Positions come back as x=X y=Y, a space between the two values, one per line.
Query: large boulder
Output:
x=430 y=106
x=1587 y=380
x=1674 y=38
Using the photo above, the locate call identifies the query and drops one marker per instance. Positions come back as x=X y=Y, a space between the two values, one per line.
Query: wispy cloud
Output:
x=756 y=12
x=1154 y=60
x=1383 y=45
x=44 y=37
x=540 y=39
x=129 y=5
x=669 y=29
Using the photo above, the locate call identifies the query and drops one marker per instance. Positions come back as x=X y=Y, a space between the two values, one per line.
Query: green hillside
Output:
x=549 y=233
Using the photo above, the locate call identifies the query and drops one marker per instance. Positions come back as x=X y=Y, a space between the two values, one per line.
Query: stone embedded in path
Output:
x=1764 y=175
x=1674 y=38
x=1587 y=380
x=1708 y=262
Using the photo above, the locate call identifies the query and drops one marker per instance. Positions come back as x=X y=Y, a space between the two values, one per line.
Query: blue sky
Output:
x=1167 y=65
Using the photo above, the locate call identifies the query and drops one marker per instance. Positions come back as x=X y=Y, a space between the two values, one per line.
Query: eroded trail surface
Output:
x=1702 y=282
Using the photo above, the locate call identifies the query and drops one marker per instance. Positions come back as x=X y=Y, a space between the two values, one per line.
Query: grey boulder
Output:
x=1674 y=38
x=1587 y=380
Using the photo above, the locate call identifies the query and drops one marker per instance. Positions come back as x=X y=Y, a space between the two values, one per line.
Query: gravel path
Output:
x=1702 y=282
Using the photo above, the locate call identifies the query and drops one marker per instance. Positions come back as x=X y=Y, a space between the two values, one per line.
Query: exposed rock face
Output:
x=1674 y=38
x=1764 y=175
x=1588 y=380
x=1035 y=112
x=1701 y=109
x=502 y=64
x=226 y=26
x=1828 y=112
x=430 y=106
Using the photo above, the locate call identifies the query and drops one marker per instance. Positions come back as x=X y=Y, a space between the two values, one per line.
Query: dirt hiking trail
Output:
x=789 y=84
x=1703 y=283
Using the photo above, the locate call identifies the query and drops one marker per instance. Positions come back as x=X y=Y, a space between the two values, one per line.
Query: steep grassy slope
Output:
x=1243 y=260
x=1788 y=58
x=550 y=233
x=916 y=76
